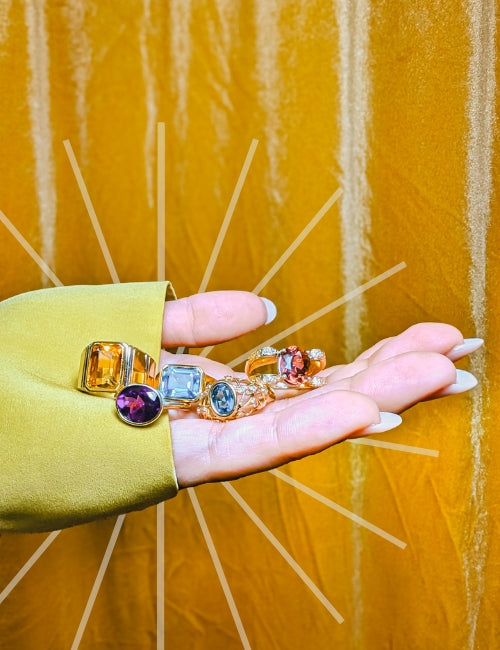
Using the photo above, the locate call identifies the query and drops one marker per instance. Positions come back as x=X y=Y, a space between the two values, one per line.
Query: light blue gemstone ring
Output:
x=182 y=386
x=231 y=398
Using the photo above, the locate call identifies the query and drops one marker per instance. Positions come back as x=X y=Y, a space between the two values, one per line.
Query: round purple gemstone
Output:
x=138 y=404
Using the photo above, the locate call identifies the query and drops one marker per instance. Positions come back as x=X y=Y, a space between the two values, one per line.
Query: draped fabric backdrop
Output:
x=395 y=103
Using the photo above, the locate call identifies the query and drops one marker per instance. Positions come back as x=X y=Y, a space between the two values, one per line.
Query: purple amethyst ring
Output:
x=177 y=386
x=139 y=404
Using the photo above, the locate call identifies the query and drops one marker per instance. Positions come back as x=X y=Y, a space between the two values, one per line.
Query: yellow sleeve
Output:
x=65 y=457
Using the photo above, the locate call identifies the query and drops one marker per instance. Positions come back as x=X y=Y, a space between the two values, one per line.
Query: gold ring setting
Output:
x=108 y=366
x=141 y=395
x=290 y=367
x=231 y=398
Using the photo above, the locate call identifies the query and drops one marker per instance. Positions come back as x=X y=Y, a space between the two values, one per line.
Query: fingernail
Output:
x=271 y=310
x=468 y=346
x=387 y=422
x=465 y=381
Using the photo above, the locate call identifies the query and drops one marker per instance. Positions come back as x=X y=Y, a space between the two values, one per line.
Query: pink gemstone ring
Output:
x=291 y=367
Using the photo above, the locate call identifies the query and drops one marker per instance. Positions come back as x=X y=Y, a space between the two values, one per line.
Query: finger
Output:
x=213 y=317
x=212 y=451
x=422 y=337
x=399 y=382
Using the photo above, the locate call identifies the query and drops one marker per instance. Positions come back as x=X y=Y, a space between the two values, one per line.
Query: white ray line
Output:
x=395 y=446
x=298 y=240
x=160 y=576
x=30 y=250
x=27 y=566
x=150 y=98
x=228 y=215
x=335 y=506
x=321 y=312
x=98 y=582
x=91 y=211
x=218 y=567
x=39 y=105
x=284 y=553
x=289 y=251
x=225 y=224
x=161 y=200
x=481 y=88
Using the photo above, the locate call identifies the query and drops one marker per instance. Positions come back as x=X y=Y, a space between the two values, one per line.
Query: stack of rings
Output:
x=141 y=394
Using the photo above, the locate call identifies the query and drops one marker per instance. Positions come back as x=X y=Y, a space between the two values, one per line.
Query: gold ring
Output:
x=231 y=398
x=291 y=367
x=108 y=366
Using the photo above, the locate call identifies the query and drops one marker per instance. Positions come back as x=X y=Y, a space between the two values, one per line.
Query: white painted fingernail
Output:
x=387 y=422
x=271 y=310
x=465 y=381
x=468 y=346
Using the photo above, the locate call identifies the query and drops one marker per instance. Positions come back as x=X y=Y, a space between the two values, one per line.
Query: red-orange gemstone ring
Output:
x=290 y=367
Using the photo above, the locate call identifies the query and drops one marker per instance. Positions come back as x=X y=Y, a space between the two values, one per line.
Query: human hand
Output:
x=360 y=397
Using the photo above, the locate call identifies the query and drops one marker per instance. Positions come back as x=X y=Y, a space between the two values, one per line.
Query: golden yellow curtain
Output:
x=395 y=103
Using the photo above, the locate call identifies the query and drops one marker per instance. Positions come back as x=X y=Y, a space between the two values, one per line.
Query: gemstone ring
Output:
x=181 y=386
x=231 y=398
x=177 y=386
x=108 y=366
x=291 y=367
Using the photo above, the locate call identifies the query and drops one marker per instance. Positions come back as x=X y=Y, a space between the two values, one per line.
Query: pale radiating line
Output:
x=98 y=582
x=160 y=576
x=297 y=241
x=41 y=132
x=284 y=553
x=335 y=506
x=323 y=311
x=395 y=446
x=218 y=567
x=481 y=87
x=229 y=213
x=30 y=250
x=145 y=29
x=27 y=566
x=289 y=251
x=91 y=211
x=223 y=229
x=161 y=200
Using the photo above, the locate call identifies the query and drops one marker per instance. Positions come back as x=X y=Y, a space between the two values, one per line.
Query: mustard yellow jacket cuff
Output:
x=65 y=457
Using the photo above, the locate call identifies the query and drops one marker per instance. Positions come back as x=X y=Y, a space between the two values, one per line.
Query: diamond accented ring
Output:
x=291 y=367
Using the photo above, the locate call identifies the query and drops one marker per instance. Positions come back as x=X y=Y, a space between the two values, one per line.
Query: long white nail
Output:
x=387 y=422
x=465 y=381
x=468 y=346
x=271 y=310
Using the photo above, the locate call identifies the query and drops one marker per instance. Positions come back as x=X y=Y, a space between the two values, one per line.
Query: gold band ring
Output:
x=231 y=398
x=291 y=367
x=107 y=367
